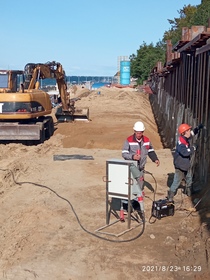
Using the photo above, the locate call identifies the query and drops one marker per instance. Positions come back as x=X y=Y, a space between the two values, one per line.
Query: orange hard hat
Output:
x=184 y=127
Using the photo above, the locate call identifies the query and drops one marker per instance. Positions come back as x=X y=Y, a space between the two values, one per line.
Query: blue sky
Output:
x=86 y=37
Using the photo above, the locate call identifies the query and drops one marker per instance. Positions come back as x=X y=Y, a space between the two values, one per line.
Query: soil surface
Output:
x=52 y=209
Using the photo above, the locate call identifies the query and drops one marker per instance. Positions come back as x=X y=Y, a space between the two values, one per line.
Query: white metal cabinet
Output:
x=119 y=183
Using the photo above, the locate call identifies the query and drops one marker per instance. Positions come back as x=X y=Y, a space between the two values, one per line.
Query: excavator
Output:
x=25 y=109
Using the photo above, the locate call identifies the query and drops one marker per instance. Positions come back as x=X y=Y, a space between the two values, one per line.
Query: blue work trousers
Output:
x=178 y=177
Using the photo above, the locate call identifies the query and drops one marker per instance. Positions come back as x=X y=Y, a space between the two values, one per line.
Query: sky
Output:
x=86 y=37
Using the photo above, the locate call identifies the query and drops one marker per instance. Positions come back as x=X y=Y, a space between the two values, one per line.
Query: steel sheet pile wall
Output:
x=182 y=93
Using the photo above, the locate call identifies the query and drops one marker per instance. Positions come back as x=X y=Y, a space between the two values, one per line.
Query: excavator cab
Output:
x=10 y=80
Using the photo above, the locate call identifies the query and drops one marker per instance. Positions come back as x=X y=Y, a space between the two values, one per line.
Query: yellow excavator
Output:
x=25 y=109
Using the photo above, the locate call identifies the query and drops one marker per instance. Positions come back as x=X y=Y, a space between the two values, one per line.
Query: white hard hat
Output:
x=139 y=126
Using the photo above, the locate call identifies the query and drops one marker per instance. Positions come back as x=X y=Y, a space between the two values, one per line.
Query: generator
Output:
x=162 y=208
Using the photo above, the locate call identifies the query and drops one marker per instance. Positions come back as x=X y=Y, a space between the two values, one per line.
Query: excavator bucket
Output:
x=81 y=114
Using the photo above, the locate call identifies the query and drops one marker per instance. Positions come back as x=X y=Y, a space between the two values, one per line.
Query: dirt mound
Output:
x=79 y=91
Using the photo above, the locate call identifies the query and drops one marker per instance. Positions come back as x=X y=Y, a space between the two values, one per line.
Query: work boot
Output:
x=170 y=195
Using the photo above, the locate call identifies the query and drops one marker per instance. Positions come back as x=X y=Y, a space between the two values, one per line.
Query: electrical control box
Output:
x=119 y=178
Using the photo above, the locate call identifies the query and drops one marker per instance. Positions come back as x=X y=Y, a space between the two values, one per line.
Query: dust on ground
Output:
x=50 y=210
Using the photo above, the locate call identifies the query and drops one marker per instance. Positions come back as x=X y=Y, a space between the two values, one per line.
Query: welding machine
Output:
x=162 y=208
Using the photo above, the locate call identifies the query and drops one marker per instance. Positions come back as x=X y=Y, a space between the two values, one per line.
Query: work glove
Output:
x=196 y=130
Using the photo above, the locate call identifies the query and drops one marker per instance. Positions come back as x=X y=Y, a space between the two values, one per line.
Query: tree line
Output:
x=147 y=55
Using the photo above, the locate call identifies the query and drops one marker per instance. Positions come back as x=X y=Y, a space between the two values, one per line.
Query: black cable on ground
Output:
x=205 y=193
x=155 y=190
x=63 y=198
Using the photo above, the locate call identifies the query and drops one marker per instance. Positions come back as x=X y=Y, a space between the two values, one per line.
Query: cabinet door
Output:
x=118 y=178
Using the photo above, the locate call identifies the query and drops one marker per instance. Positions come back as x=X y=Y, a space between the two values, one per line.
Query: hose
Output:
x=147 y=172
x=72 y=208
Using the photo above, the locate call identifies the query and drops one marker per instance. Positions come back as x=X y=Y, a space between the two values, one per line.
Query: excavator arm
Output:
x=51 y=70
x=54 y=70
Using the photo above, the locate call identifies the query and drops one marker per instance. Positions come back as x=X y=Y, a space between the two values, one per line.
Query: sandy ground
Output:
x=51 y=210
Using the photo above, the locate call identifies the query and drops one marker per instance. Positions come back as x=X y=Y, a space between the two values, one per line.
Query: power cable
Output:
x=72 y=208
x=194 y=208
x=155 y=190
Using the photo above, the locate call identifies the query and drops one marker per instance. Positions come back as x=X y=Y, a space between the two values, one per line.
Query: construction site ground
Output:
x=50 y=209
